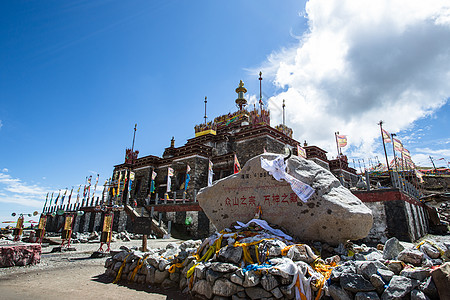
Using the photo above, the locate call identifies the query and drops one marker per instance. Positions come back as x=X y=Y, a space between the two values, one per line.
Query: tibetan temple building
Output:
x=244 y=133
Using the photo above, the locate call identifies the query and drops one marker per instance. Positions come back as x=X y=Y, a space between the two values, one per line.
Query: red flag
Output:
x=237 y=166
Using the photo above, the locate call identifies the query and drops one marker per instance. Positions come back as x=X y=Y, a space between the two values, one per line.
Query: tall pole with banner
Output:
x=66 y=234
x=339 y=157
x=384 y=145
x=130 y=167
x=105 y=238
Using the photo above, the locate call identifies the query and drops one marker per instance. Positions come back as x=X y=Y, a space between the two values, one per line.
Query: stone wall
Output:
x=251 y=147
x=395 y=215
x=199 y=228
x=379 y=231
x=90 y=221
x=437 y=184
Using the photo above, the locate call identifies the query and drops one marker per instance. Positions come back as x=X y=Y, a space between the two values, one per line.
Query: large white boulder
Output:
x=333 y=214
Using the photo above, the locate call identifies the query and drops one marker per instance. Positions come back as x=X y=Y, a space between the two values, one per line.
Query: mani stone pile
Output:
x=256 y=261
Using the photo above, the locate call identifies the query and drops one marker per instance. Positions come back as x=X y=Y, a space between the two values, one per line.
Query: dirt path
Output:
x=74 y=275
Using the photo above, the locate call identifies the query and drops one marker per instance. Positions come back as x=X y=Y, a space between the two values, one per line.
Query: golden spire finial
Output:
x=241 y=90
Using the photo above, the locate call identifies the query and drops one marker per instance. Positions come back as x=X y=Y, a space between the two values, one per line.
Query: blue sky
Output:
x=76 y=76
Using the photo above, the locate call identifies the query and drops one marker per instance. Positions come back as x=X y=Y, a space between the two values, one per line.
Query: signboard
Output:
x=142 y=225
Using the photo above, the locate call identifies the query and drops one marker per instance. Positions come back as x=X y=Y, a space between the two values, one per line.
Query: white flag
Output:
x=210 y=173
x=169 y=183
x=277 y=168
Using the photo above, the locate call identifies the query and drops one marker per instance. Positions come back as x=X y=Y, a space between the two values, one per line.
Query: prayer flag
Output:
x=237 y=166
x=46 y=198
x=341 y=140
x=277 y=168
x=64 y=196
x=210 y=173
x=386 y=136
x=188 y=169
x=419 y=175
x=152 y=186
x=301 y=152
x=406 y=153
x=169 y=183
x=95 y=187
x=78 y=194
x=398 y=145
x=70 y=196
x=56 y=200
x=188 y=178
x=169 y=179
x=118 y=183
x=152 y=182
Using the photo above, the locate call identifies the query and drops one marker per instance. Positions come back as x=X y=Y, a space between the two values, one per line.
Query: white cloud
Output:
x=13 y=190
x=5 y=170
x=1 y=124
x=361 y=62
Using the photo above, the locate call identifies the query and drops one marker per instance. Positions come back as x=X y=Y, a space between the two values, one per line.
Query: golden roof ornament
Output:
x=241 y=90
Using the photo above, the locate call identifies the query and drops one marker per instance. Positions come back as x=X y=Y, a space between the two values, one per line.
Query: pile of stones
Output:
x=94 y=237
x=444 y=212
x=253 y=263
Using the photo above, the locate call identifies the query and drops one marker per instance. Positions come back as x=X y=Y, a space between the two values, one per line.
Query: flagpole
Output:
x=393 y=150
x=45 y=204
x=432 y=163
x=384 y=147
x=130 y=167
x=339 y=158
x=260 y=93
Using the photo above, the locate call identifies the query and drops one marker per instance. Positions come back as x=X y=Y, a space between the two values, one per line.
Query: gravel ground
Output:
x=74 y=275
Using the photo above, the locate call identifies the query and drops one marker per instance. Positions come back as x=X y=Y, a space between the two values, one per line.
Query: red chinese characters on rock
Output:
x=267 y=200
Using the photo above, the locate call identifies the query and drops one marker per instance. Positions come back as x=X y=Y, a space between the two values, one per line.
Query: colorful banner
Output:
x=237 y=166
x=386 y=136
x=63 y=196
x=95 y=187
x=398 y=145
x=301 y=151
x=169 y=183
x=46 y=198
x=406 y=153
x=341 y=140
x=419 y=175
x=188 y=178
x=152 y=182
x=170 y=173
x=56 y=200
x=70 y=196
x=78 y=194
x=210 y=173
x=118 y=183
x=68 y=223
